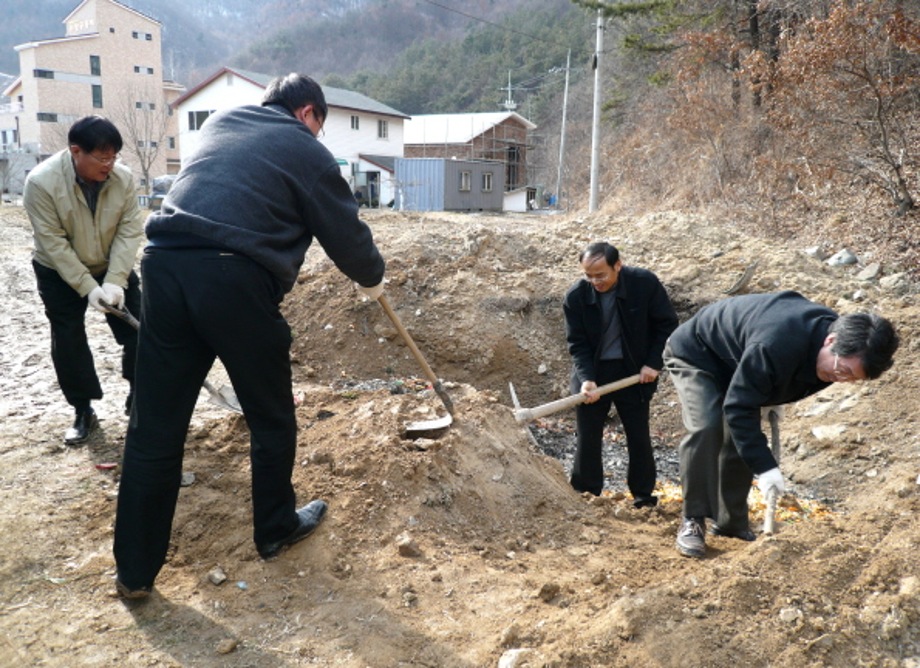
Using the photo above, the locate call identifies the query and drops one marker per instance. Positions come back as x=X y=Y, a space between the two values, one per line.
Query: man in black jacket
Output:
x=223 y=250
x=737 y=356
x=617 y=320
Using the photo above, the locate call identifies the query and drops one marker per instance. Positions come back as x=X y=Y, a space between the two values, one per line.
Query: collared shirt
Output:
x=90 y=191
x=612 y=340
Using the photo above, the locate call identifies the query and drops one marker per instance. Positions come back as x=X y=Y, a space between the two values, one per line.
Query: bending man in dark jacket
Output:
x=617 y=320
x=735 y=357
x=223 y=251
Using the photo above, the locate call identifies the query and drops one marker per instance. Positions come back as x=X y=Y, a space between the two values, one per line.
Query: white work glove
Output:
x=114 y=294
x=372 y=292
x=96 y=297
x=771 y=480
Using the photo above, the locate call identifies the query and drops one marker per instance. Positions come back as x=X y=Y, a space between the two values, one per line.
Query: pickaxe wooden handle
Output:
x=527 y=414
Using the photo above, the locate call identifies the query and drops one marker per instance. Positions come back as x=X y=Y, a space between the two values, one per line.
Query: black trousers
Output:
x=70 y=352
x=633 y=408
x=198 y=305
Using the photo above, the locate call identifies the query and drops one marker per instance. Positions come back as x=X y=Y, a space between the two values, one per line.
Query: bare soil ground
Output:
x=470 y=549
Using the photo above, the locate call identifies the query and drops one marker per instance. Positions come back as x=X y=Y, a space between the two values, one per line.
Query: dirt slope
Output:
x=471 y=549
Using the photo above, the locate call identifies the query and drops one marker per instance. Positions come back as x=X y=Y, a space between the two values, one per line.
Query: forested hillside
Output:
x=798 y=116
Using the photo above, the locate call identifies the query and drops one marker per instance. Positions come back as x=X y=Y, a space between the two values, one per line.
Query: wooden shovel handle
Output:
x=429 y=374
x=528 y=414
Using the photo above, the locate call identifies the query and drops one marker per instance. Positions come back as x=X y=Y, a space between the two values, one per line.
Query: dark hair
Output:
x=294 y=91
x=868 y=336
x=94 y=132
x=599 y=248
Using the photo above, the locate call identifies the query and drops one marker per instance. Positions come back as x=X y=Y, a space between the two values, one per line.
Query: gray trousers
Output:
x=714 y=478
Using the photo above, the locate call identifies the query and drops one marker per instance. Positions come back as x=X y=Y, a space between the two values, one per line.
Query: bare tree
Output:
x=142 y=117
x=846 y=86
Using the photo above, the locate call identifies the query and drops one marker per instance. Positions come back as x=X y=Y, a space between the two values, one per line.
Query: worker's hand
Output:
x=647 y=374
x=588 y=389
x=97 y=299
x=114 y=294
x=771 y=480
x=372 y=292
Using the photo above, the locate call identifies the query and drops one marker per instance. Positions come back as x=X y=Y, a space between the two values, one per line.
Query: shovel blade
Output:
x=224 y=397
x=428 y=428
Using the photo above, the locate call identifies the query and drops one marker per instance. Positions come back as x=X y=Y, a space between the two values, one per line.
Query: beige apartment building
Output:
x=109 y=62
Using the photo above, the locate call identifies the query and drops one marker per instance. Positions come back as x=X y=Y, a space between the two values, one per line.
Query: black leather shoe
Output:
x=310 y=516
x=744 y=534
x=83 y=426
x=131 y=594
x=645 y=501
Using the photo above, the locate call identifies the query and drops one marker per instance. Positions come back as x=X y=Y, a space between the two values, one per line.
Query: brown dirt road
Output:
x=469 y=550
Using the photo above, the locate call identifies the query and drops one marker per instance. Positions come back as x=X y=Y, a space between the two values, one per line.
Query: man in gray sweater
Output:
x=733 y=358
x=223 y=251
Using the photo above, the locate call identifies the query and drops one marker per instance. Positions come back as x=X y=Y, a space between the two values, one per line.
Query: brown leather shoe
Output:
x=131 y=594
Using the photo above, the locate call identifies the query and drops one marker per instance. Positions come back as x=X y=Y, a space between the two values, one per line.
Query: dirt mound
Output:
x=472 y=547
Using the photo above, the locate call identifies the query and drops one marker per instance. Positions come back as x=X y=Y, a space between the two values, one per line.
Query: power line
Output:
x=497 y=25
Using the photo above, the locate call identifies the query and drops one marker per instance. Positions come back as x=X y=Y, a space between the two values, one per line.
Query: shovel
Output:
x=225 y=397
x=425 y=427
x=527 y=414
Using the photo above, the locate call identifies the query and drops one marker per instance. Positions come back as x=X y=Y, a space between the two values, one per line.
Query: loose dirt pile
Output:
x=468 y=550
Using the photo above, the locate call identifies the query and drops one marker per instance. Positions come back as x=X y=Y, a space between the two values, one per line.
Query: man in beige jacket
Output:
x=87 y=228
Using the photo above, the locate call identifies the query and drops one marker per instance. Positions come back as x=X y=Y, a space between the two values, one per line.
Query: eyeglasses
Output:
x=103 y=161
x=842 y=373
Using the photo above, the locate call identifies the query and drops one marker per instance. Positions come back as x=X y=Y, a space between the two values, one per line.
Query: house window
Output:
x=135 y=34
x=171 y=142
x=45 y=117
x=94 y=66
x=382 y=129
x=97 y=96
x=197 y=118
x=465 y=181
x=138 y=105
x=137 y=69
x=487 y=182
x=355 y=122
x=43 y=74
x=148 y=37
x=149 y=70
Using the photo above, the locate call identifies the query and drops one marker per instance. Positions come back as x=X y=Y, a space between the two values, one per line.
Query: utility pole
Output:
x=565 y=106
x=510 y=104
x=595 y=138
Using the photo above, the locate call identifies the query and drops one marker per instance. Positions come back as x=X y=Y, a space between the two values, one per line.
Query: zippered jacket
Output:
x=647 y=319
x=68 y=238
x=763 y=351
